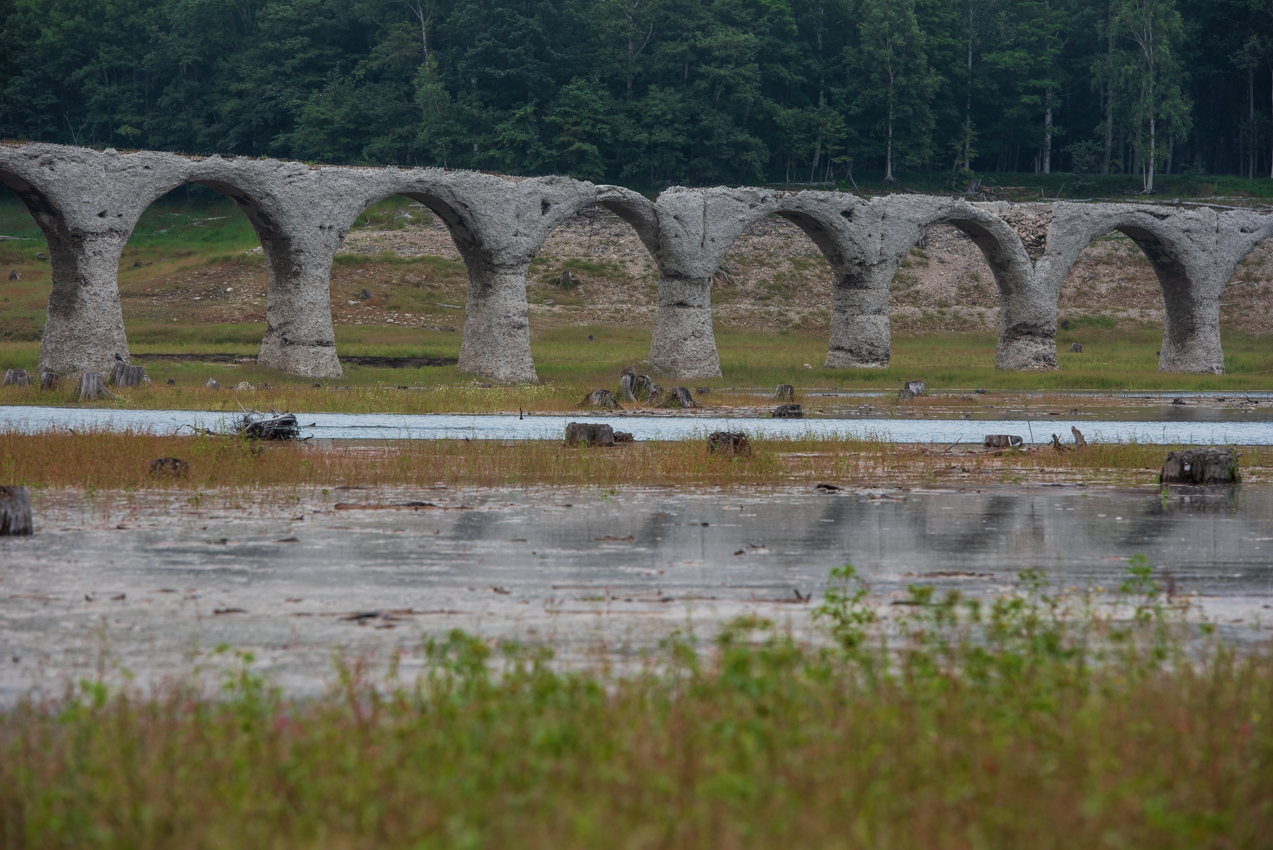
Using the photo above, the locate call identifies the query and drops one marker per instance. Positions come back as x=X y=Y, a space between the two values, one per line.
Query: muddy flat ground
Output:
x=148 y=583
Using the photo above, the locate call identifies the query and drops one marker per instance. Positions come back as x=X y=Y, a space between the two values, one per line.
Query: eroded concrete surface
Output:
x=87 y=202
x=150 y=582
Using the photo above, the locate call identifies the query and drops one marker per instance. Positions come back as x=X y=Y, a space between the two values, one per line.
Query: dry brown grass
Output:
x=105 y=461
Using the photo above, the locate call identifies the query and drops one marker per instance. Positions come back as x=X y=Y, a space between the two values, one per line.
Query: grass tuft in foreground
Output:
x=1033 y=721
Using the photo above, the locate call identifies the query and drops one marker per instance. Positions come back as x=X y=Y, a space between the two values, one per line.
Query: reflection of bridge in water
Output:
x=87 y=202
x=620 y=572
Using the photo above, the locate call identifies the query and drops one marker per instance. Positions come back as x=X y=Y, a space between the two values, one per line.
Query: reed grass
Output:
x=120 y=461
x=1037 y=720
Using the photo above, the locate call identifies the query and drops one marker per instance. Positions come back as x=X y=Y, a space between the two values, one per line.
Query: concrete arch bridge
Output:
x=87 y=202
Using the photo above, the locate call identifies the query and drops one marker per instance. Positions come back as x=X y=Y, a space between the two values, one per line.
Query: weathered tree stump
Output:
x=48 y=380
x=566 y=281
x=729 y=443
x=1076 y=347
x=788 y=411
x=624 y=437
x=628 y=386
x=124 y=375
x=1079 y=442
x=1059 y=446
x=17 y=378
x=1200 y=467
x=680 y=397
x=910 y=390
x=783 y=392
x=1002 y=441
x=169 y=467
x=15 y=512
x=91 y=387
x=589 y=434
x=601 y=399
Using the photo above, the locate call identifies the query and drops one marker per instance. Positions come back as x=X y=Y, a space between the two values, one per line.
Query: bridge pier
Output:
x=85 y=325
x=861 y=334
x=683 y=343
x=496 y=342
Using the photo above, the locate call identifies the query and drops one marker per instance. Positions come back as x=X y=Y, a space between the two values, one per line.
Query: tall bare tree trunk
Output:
x=1109 y=86
x=1250 y=91
x=1047 y=136
x=888 y=160
x=968 y=102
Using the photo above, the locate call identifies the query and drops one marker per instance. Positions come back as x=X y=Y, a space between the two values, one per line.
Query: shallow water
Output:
x=150 y=576
x=1256 y=429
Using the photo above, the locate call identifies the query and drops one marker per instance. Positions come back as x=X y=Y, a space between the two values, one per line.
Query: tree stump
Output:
x=1076 y=347
x=910 y=390
x=91 y=387
x=1079 y=442
x=169 y=467
x=788 y=411
x=729 y=443
x=48 y=380
x=783 y=392
x=589 y=434
x=15 y=512
x=1002 y=441
x=124 y=375
x=601 y=399
x=16 y=378
x=680 y=397
x=628 y=386
x=1200 y=467
x=624 y=437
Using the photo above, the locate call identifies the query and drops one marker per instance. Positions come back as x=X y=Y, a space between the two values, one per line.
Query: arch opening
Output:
x=1116 y=302
x=398 y=280
x=26 y=272
x=1246 y=310
x=193 y=276
x=951 y=281
x=592 y=292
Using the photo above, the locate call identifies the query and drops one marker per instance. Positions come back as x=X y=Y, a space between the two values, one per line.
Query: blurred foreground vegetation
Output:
x=1037 y=719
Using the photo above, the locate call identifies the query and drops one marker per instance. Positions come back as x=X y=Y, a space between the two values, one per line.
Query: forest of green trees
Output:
x=655 y=92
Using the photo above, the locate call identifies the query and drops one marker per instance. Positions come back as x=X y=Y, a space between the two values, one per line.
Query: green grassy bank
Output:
x=1036 y=720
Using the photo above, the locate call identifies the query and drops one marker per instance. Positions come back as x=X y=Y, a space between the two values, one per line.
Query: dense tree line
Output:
x=652 y=92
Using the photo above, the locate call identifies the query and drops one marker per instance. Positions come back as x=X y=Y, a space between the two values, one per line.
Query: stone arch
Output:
x=1027 y=329
x=1184 y=250
x=498 y=225
x=299 y=338
x=865 y=243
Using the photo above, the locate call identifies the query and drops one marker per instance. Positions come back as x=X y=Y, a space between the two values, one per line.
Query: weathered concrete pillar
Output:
x=1027 y=334
x=683 y=343
x=78 y=197
x=496 y=342
x=861 y=334
x=85 y=325
x=696 y=229
x=299 y=336
x=1191 y=300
